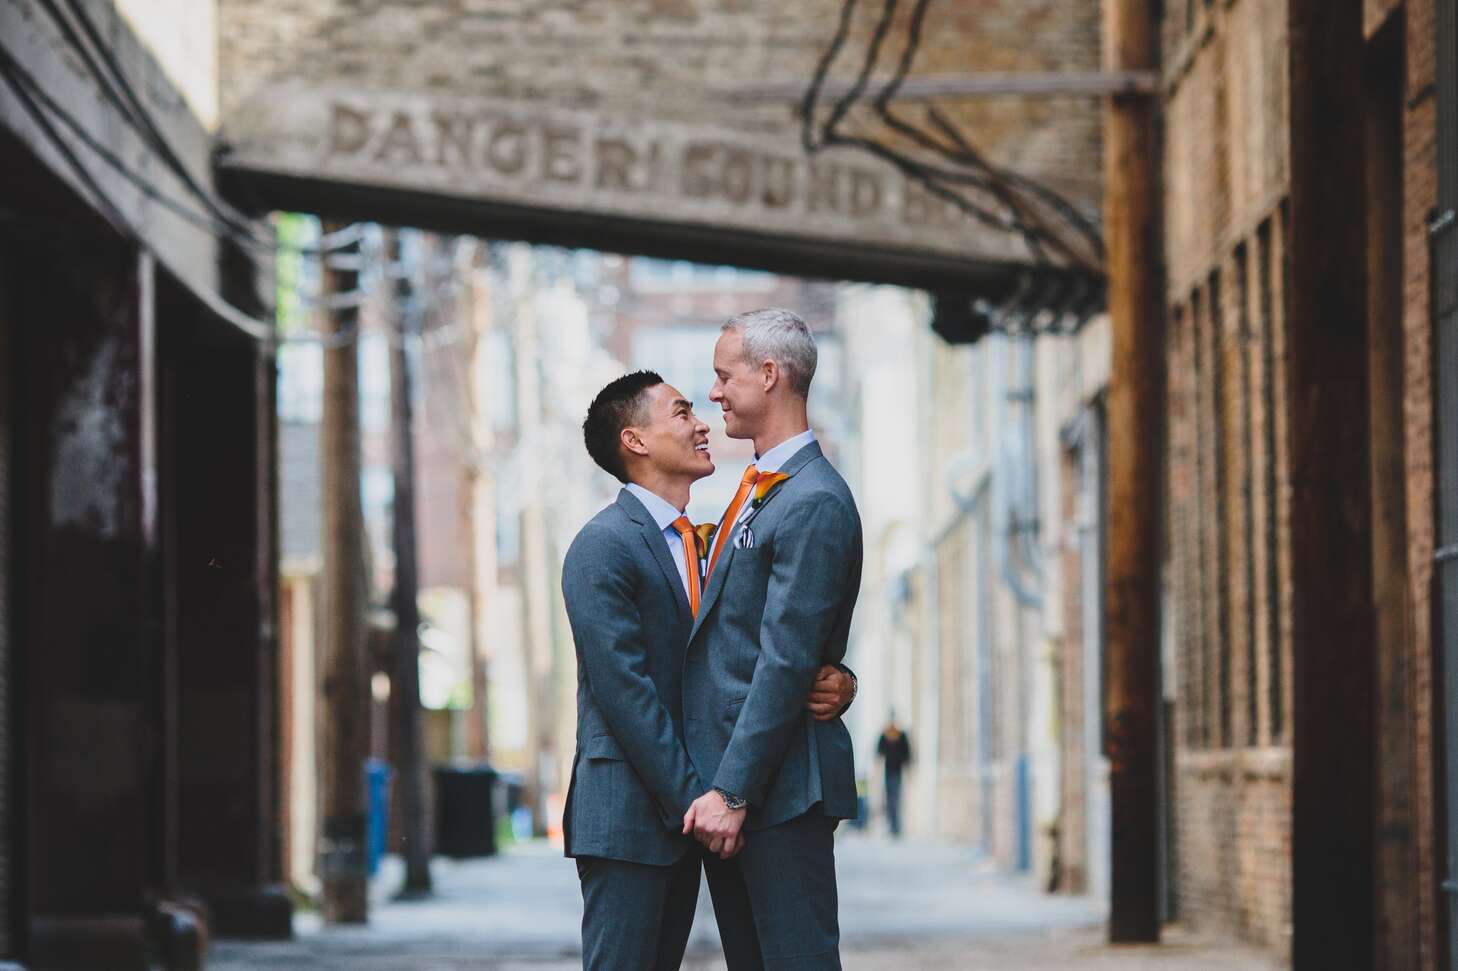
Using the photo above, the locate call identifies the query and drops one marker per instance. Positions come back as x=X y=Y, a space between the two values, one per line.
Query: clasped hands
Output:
x=710 y=819
x=715 y=825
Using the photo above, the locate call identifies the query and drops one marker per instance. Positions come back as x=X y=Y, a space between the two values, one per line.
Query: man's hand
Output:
x=715 y=825
x=832 y=691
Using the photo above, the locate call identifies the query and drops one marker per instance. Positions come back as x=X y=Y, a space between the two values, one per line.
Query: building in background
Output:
x=981 y=494
x=136 y=483
x=1252 y=672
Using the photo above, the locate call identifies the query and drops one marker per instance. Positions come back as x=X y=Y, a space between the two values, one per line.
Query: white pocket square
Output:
x=744 y=540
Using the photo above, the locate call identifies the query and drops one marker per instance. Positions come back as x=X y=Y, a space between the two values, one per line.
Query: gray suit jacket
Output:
x=632 y=780
x=773 y=613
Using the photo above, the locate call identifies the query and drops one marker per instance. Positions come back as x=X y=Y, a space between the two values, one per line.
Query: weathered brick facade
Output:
x=626 y=110
x=1226 y=176
x=1229 y=580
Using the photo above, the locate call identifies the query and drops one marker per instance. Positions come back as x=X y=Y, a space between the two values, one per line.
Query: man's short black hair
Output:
x=616 y=406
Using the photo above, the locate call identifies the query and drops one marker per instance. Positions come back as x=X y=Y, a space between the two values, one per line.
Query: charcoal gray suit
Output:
x=777 y=606
x=632 y=780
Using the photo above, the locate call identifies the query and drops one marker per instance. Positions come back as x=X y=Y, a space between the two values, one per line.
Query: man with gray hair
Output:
x=783 y=572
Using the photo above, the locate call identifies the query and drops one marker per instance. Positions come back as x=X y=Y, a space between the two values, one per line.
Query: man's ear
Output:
x=631 y=440
x=769 y=373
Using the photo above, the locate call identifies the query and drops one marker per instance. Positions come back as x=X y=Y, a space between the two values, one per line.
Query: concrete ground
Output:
x=903 y=906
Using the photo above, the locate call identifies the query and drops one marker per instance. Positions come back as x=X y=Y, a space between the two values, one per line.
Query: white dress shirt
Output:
x=776 y=457
x=664 y=513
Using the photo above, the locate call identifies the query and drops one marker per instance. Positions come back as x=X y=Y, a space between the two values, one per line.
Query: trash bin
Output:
x=465 y=819
x=513 y=789
x=377 y=787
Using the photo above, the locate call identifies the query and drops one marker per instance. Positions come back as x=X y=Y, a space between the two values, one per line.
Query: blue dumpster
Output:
x=377 y=787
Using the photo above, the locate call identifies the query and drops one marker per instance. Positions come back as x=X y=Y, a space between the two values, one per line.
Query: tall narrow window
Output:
x=1204 y=542
x=1249 y=444
x=1269 y=527
x=1281 y=314
x=1219 y=569
x=1182 y=528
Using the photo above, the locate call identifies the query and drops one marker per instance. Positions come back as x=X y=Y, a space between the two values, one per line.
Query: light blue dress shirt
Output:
x=664 y=513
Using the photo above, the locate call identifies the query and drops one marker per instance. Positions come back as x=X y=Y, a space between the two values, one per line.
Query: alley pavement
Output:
x=904 y=905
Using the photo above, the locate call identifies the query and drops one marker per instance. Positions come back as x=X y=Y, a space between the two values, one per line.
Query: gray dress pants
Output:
x=789 y=873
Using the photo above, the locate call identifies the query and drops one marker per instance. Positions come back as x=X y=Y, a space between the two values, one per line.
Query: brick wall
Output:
x=663 y=59
x=645 y=80
x=1226 y=178
x=1232 y=824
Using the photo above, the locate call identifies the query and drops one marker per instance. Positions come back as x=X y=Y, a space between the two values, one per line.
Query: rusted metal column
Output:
x=1135 y=450
x=1332 y=653
x=344 y=721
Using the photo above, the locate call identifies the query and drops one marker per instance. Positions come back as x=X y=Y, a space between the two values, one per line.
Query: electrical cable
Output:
x=224 y=220
x=928 y=177
x=100 y=199
x=973 y=170
x=120 y=92
x=329 y=243
x=26 y=85
x=257 y=329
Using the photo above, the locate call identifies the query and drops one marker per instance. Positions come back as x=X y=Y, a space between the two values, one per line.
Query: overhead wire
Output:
x=971 y=168
x=31 y=97
x=111 y=78
x=119 y=90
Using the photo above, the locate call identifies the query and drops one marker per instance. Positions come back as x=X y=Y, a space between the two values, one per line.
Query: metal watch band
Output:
x=731 y=800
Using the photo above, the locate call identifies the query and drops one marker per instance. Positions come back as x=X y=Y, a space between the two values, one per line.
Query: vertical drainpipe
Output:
x=1016 y=489
x=985 y=526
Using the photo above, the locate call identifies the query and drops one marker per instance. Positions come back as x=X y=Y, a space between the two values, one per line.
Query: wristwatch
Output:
x=855 y=686
x=731 y=800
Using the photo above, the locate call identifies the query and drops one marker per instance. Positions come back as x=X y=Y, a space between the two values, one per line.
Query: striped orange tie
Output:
x=731 y=515
x=690 y=559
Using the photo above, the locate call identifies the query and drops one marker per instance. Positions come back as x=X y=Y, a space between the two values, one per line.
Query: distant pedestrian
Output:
x=894 y=748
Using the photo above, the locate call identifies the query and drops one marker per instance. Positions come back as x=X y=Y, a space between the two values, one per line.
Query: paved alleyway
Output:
x=910 y=906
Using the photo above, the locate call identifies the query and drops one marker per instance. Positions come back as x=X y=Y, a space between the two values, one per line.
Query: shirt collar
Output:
x=659 y=508
x=772 y=460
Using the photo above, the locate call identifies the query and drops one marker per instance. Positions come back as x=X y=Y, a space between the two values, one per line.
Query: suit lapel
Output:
x=802 y=458
x=653 y=536
x=716 y=583
x=793 y=465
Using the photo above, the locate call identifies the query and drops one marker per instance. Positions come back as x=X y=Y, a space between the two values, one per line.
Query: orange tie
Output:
x=690 y=560
x=731 y=515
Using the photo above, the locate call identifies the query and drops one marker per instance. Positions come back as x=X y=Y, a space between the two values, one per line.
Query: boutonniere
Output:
x=763 y=488
x=704 y=539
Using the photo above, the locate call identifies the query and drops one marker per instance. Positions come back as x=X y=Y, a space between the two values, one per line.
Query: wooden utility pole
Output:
x=1333 y=770
x=405 y=687
x=1136 y=447
x=343 y=714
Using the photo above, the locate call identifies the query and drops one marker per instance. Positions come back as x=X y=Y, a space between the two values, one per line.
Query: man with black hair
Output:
x=631 y=581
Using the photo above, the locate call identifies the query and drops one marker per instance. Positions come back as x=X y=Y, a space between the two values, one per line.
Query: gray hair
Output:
x=778 y=335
